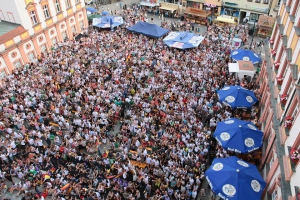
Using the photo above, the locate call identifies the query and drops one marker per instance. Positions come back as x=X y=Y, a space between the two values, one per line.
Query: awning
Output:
x=226 y=20
x=168 y=8
x=142 y=3
x=233 y=67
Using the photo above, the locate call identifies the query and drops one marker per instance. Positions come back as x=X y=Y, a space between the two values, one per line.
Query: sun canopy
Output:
x=150 y=30
x=183 y=40
x=94 y=16
x=167 y=8
x=92 y=10
x=142 y=3
x=107 y=21
x=226 y=20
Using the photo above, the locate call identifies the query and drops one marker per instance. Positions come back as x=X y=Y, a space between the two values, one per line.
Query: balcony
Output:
x=281 y=29
x=294 y=70
x=294 y=157
x=288 y=123
x=284 y=40
x=297 y=192
x=289 y=54
x=292 y=18
x=297 y=30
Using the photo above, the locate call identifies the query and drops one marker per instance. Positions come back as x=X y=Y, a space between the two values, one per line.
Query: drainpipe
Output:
x=285 y=188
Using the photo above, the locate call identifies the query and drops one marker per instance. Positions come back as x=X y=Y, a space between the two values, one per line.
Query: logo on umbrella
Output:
x=224 y=136
x=255 y=185
x=252 y=127
x=218 y=166
x=229 y=190
x=226 y=88
x=229 y=122
x=249 y=99
x=244 y=164
x=246 y=58
x=230 y=99
x=249 y=142
x=235 y=52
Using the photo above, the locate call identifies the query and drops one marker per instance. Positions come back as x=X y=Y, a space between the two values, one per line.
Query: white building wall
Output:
x=23 y=13
x=10 y=6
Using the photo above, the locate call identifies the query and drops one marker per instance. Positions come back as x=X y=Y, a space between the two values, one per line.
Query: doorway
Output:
x=242 y=15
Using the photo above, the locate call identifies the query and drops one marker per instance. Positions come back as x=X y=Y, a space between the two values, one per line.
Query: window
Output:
x=31 y=56
x=43 y=48
x=54 y=41
x=81 y=25
x=290 y=89
x=57 y=6
x=68 y=5
x=64 y=34
x=46 y=11
x=77 y=1
x=17 y=64
x=254 y=17
x=250 y=0
x=270 y=136
x=278 y=2
x=33 y=17
x=274 y=195
x=73 y=29
x=266 y=1
x=271 y=162
x=296 y=111
x=257 y=1
x=2 y=74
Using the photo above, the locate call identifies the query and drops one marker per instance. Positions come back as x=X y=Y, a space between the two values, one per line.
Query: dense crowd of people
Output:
x=116 y=115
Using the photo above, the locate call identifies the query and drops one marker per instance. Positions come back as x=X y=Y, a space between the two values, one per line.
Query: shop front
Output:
x=265 y=26
x=149 y=3
x=197 y=15
x=209 y=5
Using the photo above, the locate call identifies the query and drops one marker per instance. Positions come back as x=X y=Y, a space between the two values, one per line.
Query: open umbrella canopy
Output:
x=235 y=179
x=238 y=135
x=105 y=13
x=237 y=97
x=150 y=30
x=94 y=16
x=107 y=22
x=246 y=55
x=92 y=10
x=183 y=40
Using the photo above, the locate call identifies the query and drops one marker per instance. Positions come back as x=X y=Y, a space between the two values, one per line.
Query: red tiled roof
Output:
x=11 y=34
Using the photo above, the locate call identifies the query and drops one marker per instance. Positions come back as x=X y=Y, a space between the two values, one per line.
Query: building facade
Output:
x=249 y=9
x=211 y=5
x=280 y=118
x=31 y=27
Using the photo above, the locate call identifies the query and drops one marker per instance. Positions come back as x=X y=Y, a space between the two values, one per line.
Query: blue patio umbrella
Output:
x=105 y=13
x=92 y=10
x=246 y=55
x=238 y=135
x=237 y=97
x=234 y=179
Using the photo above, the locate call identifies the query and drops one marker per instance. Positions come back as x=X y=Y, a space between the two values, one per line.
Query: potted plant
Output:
x=276 y=65
x=271 y=42
x=288 y=122
x=295 y=155
x=273 y=53
x=283 y=99
x=279 y=80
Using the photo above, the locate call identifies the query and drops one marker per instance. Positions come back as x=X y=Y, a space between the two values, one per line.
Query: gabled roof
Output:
x=9 y=30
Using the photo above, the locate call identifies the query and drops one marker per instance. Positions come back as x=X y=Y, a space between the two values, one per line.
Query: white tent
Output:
x=242 y=68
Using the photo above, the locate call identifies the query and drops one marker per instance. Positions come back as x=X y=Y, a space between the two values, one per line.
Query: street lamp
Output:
x=255 y=17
